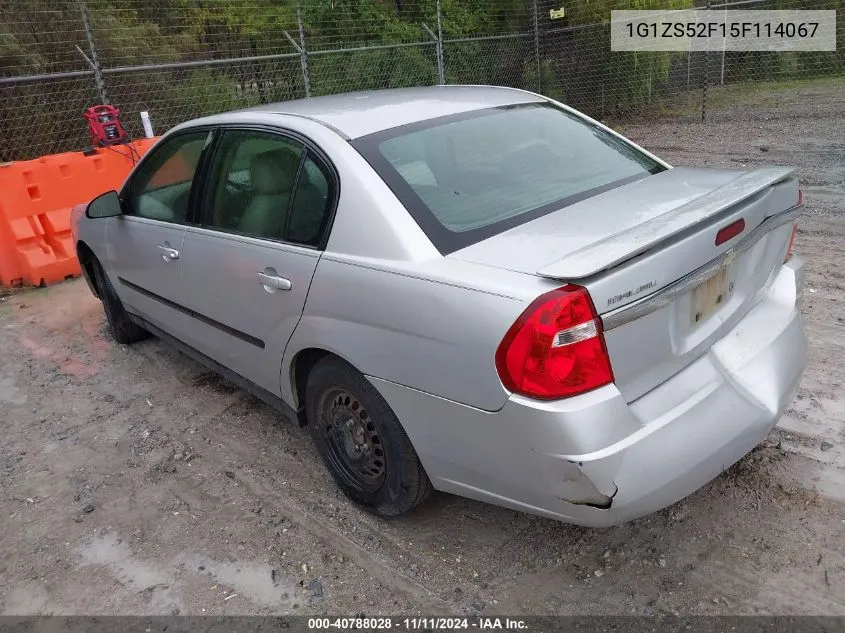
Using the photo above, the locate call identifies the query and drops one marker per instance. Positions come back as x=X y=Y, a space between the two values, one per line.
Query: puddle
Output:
x=10 y=392
x=111 y=551
x=32 y=599
x=814 y=475
x=255 y=582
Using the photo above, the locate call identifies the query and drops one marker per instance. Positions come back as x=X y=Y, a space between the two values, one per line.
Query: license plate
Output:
x=709 y=296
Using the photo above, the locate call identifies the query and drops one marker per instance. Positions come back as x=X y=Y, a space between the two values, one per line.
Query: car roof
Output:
x=357 y=114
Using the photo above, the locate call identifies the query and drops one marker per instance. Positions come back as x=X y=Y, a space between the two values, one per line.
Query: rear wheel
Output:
x=121 y=327
x=361 y=441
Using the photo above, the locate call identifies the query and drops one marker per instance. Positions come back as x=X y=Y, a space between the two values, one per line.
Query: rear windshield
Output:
x=470 y=176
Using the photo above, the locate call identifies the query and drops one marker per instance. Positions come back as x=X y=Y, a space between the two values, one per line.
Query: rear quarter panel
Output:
x=399 y=324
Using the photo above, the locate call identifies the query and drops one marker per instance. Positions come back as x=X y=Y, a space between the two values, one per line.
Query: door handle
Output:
x=167 y=253
x=272 y=283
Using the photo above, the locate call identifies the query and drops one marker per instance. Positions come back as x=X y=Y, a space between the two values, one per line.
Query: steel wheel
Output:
x=361 y=441
x=353 y=445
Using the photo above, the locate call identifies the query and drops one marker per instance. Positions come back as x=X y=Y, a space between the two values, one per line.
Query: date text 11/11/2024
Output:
x=418 y=623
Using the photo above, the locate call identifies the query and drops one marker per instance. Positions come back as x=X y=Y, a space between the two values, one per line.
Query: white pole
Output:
x=148 y=127
x=723 y=46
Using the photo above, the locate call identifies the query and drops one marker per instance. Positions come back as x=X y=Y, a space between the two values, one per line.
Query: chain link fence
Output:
x=180 y=59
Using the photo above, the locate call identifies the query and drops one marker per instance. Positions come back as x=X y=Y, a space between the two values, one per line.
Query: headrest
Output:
x=273 y=172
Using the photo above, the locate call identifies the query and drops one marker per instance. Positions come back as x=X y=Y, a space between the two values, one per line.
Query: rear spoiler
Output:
x=618 y=248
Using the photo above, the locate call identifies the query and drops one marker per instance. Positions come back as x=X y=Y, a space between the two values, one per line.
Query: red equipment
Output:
x=104 y=125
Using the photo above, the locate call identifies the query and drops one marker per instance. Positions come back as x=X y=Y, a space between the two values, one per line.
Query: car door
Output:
x=265 y=213
x=145 y=242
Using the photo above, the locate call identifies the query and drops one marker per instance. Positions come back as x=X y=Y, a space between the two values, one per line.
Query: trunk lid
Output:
x=647 y=254
x=600 y=232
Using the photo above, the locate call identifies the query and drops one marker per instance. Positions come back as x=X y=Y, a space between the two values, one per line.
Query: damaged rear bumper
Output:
x=595 y=459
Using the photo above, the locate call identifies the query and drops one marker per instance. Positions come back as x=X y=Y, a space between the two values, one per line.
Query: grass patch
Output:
x=757 y=94
x=738 y=93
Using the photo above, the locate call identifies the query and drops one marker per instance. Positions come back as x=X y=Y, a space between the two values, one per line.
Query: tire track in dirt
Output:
x=309 y=466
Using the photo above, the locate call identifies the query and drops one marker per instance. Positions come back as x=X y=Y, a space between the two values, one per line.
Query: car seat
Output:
x=272 y=174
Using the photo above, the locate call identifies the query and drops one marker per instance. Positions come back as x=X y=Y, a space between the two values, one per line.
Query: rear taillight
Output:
x=791 y=243
x=794 y=229
x=556 y=347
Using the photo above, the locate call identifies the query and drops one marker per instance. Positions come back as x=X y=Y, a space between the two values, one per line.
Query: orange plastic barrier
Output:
x=36 y=198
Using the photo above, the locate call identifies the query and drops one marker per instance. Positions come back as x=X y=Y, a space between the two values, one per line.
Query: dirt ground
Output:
x=132 y=481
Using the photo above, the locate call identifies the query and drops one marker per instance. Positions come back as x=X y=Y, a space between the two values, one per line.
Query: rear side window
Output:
x=309 y=212
x=468 y=177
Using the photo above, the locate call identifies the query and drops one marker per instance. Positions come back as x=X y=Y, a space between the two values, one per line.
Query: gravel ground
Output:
x=160 y=489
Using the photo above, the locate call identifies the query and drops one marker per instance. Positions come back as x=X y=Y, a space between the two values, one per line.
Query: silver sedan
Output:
x=471 y=289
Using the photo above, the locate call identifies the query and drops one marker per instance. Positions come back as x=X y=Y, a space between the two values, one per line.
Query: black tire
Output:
x=374 y=440
x=121 y=327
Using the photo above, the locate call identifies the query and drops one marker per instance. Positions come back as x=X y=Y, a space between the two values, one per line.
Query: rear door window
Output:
x=252 y=183
x=269 y=186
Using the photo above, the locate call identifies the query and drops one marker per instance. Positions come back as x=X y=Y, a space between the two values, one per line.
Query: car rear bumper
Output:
x=596 y=460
